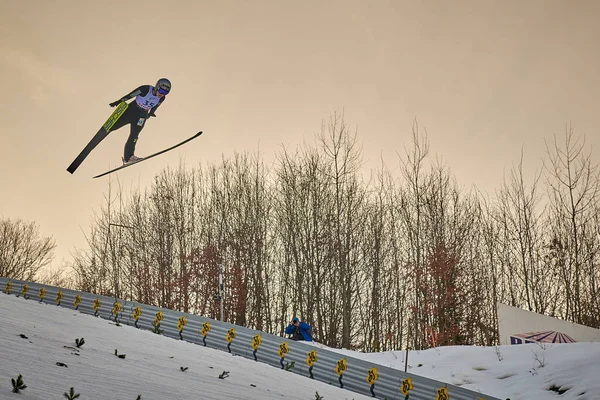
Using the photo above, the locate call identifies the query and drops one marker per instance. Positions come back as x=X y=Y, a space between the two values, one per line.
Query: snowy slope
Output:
x=152 y=364
x=518 y=372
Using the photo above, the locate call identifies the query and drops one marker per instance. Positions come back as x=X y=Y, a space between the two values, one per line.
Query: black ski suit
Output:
x=143 y=107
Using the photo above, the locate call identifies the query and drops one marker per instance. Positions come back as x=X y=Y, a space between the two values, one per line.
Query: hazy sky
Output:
x=484 y=78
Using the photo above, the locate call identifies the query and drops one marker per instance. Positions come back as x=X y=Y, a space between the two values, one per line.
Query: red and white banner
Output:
x=517 y=326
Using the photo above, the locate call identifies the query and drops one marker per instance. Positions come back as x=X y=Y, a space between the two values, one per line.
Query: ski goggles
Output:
x=163 y=91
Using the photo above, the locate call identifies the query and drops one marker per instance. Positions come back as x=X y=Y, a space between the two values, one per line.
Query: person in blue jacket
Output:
x=299 y=330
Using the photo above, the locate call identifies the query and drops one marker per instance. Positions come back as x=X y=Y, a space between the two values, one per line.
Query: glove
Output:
x=115 y=103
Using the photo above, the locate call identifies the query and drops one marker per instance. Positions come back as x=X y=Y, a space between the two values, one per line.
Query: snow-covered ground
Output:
x=518 y=372
x=35 y=337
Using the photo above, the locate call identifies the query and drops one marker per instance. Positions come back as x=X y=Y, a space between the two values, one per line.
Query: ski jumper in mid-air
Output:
x=147 y=100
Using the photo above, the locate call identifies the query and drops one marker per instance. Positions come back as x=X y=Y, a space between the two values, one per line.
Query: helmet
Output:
x=163 y=85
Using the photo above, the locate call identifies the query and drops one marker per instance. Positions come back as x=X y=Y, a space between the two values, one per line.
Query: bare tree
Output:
x=240 y=203
x=574 y=187
x=489 y=272
x=60 y=277
x=410 y=211
x=303 y=212
x=438 y=235
x=377 y=294
x=98 y=268
x=341 y=149
x=520 y=219
x=23 y=250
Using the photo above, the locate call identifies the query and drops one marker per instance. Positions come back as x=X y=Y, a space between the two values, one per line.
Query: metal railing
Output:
x=327 y=366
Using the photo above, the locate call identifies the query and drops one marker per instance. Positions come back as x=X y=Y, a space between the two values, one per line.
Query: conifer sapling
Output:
x=224 y=375
x=71 y=395
x=18 y=384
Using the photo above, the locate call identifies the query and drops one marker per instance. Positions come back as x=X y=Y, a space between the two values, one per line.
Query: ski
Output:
x=114 y=117
x=99 y=136
x=150 y=156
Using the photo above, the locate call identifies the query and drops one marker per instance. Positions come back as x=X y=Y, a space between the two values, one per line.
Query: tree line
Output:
x=372 y=263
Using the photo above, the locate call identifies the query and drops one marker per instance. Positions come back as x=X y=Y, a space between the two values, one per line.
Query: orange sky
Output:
x=484 y=78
